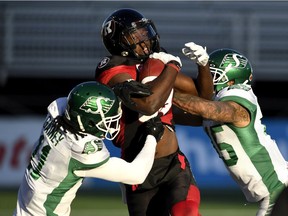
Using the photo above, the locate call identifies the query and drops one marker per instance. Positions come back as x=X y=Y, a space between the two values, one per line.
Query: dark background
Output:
x=46 y=48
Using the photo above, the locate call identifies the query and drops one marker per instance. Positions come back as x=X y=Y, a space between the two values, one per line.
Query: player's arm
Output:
x=204 y=81
x=221 y=111
x=159 y=87
x=185 y=84
x=118 y=170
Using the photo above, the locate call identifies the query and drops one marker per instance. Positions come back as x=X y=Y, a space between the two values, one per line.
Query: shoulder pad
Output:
x=240 y=86
x=112 y=61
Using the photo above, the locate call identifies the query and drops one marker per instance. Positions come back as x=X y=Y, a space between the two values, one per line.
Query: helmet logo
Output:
x=96 y=105
x=233 y=60
x=108 y=28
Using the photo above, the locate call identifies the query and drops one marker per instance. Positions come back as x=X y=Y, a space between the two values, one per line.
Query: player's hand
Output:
x=131 y=88
x=155 y=127
x=196 y=53
x=167 y=58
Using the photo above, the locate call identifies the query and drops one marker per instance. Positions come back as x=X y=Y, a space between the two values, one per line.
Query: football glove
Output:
x=155 y=128
x=131 y=88
x=167 y=58
x=196 y=53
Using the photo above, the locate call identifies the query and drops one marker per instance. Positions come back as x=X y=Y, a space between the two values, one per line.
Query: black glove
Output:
x=131 y=88
x=155 y=127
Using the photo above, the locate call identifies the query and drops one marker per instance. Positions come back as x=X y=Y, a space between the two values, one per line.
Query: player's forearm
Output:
x=118 y=170
x=213 y=110
x=140 y=167
x=160 y=88
x=205 y=82
x=189 y=103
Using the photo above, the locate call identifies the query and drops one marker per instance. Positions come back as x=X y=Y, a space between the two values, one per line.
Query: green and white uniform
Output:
x=50 y=182
x=250 y=155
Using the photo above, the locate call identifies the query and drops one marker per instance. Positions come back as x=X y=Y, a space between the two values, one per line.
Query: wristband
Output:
x=175 y=66
x=175 y=63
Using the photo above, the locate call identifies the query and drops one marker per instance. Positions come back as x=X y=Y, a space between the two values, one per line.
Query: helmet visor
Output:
x=141 y=33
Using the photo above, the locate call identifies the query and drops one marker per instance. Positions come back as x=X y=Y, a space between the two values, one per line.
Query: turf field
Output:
x=87 y=204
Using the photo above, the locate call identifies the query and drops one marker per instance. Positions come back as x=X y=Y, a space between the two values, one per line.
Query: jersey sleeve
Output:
x=119 y=170
x=242 y=95
x=113 y=65
x=89 y=151
x=107 y=75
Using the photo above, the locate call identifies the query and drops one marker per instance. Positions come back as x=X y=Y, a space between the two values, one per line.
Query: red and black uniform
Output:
x=170 y=180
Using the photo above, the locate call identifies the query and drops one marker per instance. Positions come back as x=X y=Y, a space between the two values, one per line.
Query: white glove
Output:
x=165 y=57
x=196 y=52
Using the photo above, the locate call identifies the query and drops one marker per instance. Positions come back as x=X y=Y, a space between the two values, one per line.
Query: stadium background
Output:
x=46 y=48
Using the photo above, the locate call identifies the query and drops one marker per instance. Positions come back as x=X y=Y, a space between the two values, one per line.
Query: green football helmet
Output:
x=93 y=108
x=227 y=64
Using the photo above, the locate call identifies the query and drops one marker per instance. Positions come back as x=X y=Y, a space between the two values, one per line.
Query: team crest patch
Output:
x=104 y=62
x=95 y=104
x=92 y=146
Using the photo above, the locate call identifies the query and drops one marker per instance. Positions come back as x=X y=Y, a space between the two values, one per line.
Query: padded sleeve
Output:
x=119 y=170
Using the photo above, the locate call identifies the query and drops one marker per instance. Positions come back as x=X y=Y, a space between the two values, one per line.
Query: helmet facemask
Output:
x=141 y=39
x=109 y=125
x=220 y=79
x=219 y=76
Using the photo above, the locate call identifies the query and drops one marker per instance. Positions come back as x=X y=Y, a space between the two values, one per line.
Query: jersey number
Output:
x=35 y=172
x=228 y=154
x=224 y=150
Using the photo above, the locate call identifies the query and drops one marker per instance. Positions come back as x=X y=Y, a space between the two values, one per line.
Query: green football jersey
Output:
x=49 y=185
x=250 y=155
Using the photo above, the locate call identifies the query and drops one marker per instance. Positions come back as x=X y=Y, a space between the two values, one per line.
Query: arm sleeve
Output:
x=119 y=170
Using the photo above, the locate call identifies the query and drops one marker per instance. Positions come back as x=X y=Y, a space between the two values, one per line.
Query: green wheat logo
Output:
x=92 y=147
x=95 y=104
x=233 y=61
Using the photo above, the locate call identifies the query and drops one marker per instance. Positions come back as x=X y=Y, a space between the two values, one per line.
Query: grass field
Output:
x=87 y=204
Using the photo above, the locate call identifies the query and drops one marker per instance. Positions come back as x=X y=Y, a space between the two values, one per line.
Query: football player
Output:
x=132 y=39
x=71 y=147
x=233 y=123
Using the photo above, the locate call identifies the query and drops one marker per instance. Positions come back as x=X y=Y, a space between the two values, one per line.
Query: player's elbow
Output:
x=139 y=180
x=137 y=176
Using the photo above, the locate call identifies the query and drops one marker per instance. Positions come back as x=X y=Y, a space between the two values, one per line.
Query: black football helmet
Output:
x=126 y=28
